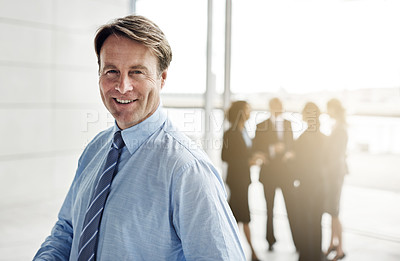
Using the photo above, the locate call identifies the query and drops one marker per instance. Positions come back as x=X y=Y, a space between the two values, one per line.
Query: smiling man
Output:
x=130 y=80
x=142 y=191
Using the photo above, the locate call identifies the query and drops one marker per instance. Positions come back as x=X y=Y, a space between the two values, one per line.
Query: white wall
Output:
x=49 y=100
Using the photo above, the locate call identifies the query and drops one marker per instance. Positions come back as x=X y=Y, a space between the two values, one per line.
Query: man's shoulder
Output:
x=177 y=154
x=96 y=145
x=100 y=139
x=264 y=125
x=178 y=145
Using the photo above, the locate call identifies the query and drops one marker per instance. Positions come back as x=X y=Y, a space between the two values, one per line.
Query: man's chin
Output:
x=127 y=119
x=125 y=124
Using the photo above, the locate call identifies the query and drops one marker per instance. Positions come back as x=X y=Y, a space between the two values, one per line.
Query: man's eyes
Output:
x=131 y=72
x=112 y=72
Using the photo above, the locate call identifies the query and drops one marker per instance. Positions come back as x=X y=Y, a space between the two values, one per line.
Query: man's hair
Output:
x=139 y=29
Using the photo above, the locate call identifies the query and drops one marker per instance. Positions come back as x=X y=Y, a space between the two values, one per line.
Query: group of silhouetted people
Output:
x=309 y=171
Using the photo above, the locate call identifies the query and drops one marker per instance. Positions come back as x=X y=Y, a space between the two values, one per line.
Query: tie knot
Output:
x=118 y=142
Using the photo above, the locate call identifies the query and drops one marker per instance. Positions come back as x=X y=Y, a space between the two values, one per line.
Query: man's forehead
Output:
x=113 y=51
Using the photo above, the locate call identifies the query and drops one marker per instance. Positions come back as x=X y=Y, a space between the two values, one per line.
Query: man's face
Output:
x=276 y=108
x=129 y=80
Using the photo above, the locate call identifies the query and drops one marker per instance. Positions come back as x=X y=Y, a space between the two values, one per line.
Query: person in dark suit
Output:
x=309 y=162
x=337 y=169
x=274 y=139
x=236 y=151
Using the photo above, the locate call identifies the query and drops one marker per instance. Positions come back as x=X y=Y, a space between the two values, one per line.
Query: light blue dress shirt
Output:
x=167 y=201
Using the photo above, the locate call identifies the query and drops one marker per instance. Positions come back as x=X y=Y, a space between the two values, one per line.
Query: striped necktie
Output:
x=91 y=224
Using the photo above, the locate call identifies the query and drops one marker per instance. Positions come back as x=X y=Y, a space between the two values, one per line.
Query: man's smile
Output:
x=124 y=101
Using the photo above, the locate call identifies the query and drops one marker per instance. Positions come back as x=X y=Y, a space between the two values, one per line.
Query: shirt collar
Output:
x=278 y=118
x=137 y=134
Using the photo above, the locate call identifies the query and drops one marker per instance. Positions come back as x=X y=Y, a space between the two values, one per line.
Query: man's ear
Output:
x=164 y=77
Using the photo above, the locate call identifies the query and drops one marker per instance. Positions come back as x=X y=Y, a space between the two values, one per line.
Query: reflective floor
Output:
x=370 y=222
x=370 y=217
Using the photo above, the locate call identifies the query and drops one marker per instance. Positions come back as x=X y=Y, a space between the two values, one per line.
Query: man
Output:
x=141 y=191
x=274 y=138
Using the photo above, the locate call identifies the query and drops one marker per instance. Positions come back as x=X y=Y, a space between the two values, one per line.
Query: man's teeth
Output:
x=124 y=101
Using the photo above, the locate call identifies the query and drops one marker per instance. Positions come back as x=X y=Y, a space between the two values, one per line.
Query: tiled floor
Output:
x=371 y=221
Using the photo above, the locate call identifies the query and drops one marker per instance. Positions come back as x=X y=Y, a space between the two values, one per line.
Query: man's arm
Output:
x=202 y=217
x=57 y=246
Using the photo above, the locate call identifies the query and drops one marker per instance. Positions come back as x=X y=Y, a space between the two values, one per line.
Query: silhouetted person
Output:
x=337 y=169
x=309 y=168
x=274 y=138
x=236 y=151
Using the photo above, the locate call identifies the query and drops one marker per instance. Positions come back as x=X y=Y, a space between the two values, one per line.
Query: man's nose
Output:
x=125 y=84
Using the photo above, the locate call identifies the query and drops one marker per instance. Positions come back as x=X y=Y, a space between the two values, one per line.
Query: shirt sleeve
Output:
x=202 y=217
x=57 y=246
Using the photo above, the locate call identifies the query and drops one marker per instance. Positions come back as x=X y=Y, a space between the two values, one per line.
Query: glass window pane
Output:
x=185 y=25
